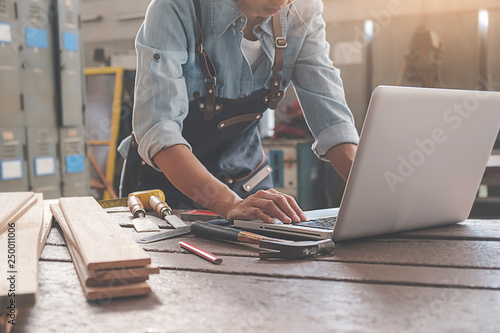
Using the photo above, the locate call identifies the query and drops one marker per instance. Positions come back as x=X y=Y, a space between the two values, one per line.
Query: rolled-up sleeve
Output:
x=160 y=98
x=320 y=91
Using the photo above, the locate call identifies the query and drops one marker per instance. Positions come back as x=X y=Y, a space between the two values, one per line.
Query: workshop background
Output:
x=67 y=71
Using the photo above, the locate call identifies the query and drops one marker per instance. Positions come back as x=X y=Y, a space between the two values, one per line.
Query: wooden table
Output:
x=444 y=279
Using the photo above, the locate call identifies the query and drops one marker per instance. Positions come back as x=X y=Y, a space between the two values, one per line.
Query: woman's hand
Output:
x=266 y=206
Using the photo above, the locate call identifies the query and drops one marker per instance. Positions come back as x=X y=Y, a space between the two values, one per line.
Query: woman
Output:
x=207 y=70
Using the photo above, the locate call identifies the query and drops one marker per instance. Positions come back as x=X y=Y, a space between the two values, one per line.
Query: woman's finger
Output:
x=287 y=213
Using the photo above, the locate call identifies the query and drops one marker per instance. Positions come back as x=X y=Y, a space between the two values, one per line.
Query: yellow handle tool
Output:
x=144 y=197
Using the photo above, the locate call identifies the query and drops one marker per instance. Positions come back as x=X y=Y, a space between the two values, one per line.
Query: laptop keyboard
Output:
x=321 y=223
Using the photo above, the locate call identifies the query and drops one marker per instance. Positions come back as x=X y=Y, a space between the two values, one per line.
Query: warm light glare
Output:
x=484 y=19
x=369 y=29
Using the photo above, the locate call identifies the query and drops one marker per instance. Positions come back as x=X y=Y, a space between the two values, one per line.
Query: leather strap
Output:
x=279 y=44
x=238 y=119
x=209 y=107
x=208 y=69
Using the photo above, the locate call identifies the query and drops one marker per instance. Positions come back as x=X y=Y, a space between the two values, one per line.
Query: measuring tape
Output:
x=113 y=203
x=142 y=195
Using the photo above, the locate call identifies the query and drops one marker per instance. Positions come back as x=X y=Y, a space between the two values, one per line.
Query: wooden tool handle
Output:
x=135 y=206
x=208 y=230
x=159 y=206
x=248 y=237
x=145 y=195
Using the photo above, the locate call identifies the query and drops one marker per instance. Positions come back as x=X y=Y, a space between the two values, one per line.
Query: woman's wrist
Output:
x=225 y=205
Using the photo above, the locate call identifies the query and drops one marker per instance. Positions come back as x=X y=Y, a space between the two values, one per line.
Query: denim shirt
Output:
x=169 y=76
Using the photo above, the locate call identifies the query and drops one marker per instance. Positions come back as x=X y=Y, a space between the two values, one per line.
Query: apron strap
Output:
x=279 y=44
x=209 y=107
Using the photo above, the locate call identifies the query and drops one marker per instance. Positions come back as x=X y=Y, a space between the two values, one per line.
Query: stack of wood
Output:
x=109 y=263
x=24 y=226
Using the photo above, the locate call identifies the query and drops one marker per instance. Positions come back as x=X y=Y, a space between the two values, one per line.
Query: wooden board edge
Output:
x=18 y=214
x=47 y=224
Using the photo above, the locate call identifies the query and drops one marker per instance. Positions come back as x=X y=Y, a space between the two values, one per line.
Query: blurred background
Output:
x=67 y=70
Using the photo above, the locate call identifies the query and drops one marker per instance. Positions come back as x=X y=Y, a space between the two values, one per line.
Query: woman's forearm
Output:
x=341 y=157
x=190 y=177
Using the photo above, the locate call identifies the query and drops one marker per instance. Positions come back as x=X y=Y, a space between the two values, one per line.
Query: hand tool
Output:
x=140 y=222
x=283 y=249
x=202 y=253
x=143 y=196
x=163 y=209
x=175 y=233
x=165 y=235
x=295 y=250
x=209 y=230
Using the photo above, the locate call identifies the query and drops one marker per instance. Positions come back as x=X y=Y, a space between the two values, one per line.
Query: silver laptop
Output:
x=420 y=161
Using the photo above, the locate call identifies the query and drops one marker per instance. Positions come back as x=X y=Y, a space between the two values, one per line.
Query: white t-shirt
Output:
x=252 y=50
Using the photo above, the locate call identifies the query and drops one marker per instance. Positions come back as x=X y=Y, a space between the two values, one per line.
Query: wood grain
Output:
x=112 y=284
x=124 y=273
x=195 y=301
x=101 y=242
x=47 y=224
x=13 y=205
x=25 y=269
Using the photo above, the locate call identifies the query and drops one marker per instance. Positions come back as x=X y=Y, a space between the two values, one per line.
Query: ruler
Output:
x=113 y=203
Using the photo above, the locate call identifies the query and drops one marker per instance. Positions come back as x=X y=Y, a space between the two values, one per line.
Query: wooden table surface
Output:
x=443 y=279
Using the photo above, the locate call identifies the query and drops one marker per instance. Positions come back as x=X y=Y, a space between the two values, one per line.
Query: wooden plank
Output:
x=61 y=253
x=47 y=224
x=113 y=289
x=337 y=271
x=201 y=302
x=422 y=252
x=467 y=230
x=124 y=273
x=14 y=205
x=23 y=270
x=416 y=252
x=100 y=277
x=90 y=225
x=470 y=278
x=93 y=288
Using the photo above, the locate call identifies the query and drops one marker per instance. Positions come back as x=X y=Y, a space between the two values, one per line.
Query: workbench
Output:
x=445 y=279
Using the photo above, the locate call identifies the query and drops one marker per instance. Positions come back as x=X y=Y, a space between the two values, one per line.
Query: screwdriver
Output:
x=164 y=210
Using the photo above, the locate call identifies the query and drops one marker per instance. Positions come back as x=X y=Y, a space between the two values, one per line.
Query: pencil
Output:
x=202 y=253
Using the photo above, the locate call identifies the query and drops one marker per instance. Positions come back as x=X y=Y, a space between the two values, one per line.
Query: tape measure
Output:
x=113 y=203
x=142 y=195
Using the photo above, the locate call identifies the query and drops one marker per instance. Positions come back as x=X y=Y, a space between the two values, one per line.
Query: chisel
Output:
x=165 y=212
x=140 y=221
x=174 y=233
x=165 y=235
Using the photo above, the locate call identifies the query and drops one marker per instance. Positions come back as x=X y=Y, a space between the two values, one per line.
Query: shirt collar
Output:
x=226 y=13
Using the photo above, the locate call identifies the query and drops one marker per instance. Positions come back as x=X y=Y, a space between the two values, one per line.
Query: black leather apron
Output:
x=223 y=134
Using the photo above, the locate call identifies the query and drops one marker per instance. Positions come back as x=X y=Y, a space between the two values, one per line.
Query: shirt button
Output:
x=242 y=19
x=156 y=56
x=196 y=94
x=258 y=29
